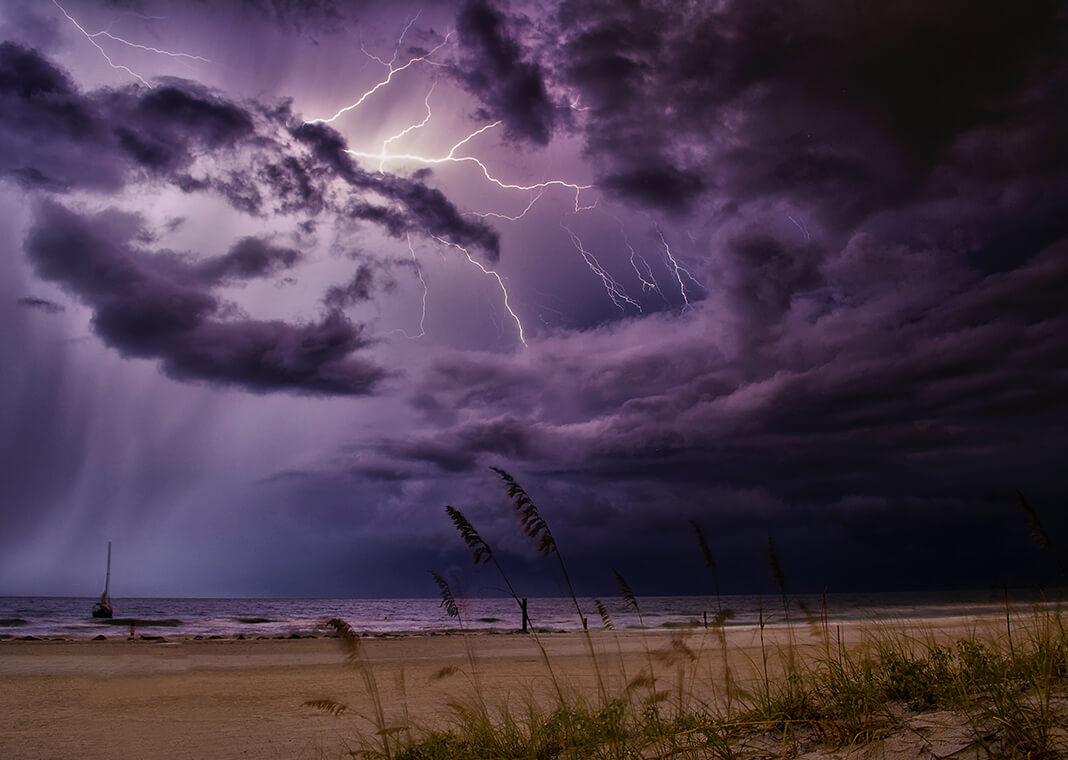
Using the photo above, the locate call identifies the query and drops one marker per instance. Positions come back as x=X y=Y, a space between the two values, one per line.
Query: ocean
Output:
x=69 y=618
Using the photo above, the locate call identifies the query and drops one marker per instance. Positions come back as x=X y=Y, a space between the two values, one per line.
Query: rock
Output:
x=100 y=637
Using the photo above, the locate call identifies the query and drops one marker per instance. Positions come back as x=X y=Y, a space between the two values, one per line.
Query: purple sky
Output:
x=794 y=270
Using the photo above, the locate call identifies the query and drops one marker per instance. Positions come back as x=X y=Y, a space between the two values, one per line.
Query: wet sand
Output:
x=245 y=699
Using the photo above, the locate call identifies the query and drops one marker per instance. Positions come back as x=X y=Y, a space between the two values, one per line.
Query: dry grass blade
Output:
x=606 y=619
x=706 y=551
x=444 y=672
x=349 y=638
x=812 y=619
x=722 y=616
x=641 y=681
x=480 y=548
x=1038 y=532
x=328 y=706
x=448 y=601
x=535 y=527
x=625 y=591
x=676 y=652
x=530 y=518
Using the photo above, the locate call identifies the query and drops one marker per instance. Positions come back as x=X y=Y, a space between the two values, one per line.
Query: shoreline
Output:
x=170 y=630
x=67 y=617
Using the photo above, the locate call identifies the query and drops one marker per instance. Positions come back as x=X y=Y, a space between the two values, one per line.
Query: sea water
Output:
x=70 y=618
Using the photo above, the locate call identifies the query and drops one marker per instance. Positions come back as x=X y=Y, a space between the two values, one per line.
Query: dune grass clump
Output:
x=1002 y=695
x=1012 y=705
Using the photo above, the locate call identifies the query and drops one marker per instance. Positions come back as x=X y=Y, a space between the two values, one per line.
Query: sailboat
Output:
x=102 y=609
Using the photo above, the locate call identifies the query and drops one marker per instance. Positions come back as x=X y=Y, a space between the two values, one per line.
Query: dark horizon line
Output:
x=1026 y=590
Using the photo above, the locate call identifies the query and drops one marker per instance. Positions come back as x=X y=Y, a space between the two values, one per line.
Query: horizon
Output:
x=436 y=599
x=283 y=280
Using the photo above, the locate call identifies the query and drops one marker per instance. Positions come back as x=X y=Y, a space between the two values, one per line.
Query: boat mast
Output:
x=107 y=578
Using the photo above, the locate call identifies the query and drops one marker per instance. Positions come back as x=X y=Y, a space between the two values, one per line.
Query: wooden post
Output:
x=706 y=620
x=526 y=620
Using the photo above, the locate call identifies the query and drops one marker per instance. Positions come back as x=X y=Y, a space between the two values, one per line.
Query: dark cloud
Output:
x=32 y=302
x=295 y=185
x=903 y=380
x=842 y=113
x=426 y=209
x=359 y=288
x=57 y=139
x=155 y=305
x=661 y=187
x=431 y=211
x=511 y=88
x=50 y=136
x=249 y=258
x=459 y=450
x=873 y=204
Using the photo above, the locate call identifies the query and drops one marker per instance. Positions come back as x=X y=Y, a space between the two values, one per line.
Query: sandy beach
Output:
x=245 y=698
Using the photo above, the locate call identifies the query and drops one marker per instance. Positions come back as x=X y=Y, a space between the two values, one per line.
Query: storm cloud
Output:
x=513 y=89
x=59 y=139
x=792 y=270
x=151 y=304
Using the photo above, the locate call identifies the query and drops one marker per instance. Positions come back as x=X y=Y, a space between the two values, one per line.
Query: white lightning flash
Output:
x=614 y=290
x=411 y=127
x=802 y=227
x=490 y=273
x=94 y=43
x=679 y=270
x=452 y=158
x=149 y=48
x=487 y=214
x=649 y=284
x=392 y=69
x=92 y=37
x=573 y=104
x=426 y=293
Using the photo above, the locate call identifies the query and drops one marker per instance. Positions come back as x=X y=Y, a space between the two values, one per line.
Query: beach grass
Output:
x=893 y=690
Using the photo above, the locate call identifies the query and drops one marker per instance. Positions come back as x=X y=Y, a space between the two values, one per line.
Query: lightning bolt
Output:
x=392 y=70
x=92 y=37
x=451 y=157
x=612 y=288
x=396 y=48
x=490 y=273
x=149 y=48
x=539 y=188
x=419 y=273
x=94 y=43
x=410 y=128
x=649 y=284
x=535 y=199
x=802 y=227
x=678 y=269
x=426 y=291
x=517 y=217
x=574 y=104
